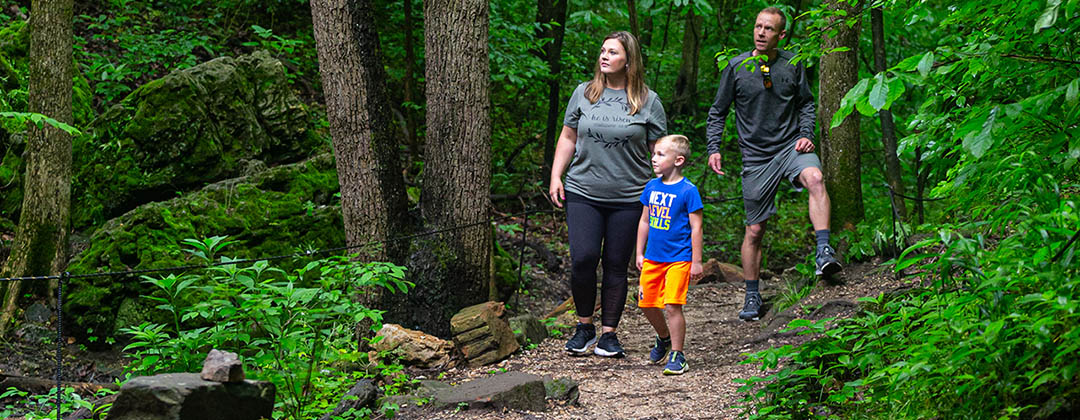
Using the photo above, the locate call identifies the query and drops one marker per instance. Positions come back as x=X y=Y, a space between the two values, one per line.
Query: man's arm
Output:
x=696 y=241
x=714 y=128
x=805 y=143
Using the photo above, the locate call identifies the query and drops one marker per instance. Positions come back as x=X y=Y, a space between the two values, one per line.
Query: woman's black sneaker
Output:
x=608 y=345
x=584 y=336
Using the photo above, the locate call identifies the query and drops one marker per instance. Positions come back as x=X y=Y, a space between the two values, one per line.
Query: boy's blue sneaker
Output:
x=584 y=336
x=659 y=349
x=608 y=345
x=676 y=364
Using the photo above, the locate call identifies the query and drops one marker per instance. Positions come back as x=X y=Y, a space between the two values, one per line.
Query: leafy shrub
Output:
x=296 y=329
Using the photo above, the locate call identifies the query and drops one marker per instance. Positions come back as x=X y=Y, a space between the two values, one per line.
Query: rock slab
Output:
x=510 y=390
x=186 y=396
x=222 y=366
x=415 y=347
x=482 y=335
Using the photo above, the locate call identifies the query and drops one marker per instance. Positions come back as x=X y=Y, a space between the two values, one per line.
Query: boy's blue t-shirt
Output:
x=669 y=219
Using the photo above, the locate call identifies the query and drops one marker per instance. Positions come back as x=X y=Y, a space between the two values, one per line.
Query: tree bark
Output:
x=840 y=146
x=631 y=10
x=553 y=12
x=685 y=102
x=452 y=269
x=410 y=81
x=41 y=240
x=888 y=128
x=373 y=202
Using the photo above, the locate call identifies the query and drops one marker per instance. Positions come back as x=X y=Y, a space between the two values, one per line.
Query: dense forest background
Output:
x=204 y=128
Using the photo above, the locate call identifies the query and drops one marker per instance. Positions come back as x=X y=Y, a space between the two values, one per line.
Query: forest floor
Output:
x=717 y=344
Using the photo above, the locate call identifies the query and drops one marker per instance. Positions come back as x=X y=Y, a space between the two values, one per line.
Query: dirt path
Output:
x=717 y=341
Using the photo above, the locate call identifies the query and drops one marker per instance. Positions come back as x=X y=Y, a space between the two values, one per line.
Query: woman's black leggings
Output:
x=600 y=233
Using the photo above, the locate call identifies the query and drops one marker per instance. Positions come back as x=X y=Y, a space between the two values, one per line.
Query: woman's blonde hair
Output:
x=636 y=91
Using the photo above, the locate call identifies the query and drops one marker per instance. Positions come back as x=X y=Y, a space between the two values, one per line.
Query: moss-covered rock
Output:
x=190 y=128
x=272 y=213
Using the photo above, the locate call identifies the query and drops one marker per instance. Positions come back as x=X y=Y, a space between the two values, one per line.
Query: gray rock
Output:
x=528 y=329
x=38 y=314
x=186 y=396
x=222 y=366
x=562 y=389
x=511 y=390
x=361 y=395
x=482 y=335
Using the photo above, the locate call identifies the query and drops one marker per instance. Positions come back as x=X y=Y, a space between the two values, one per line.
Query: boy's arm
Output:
x=642 y=236
x=696 y=240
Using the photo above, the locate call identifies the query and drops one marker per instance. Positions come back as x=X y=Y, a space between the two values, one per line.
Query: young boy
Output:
x=671 y=223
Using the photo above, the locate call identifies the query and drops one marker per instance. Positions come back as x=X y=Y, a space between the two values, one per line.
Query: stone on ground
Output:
x=562 y=389
x=414 y=347
x=528 y=329
x=186 y=396
x=361 y=395
x=717 y=272
x=510 y=390
x=222 y=366
x=482 y=335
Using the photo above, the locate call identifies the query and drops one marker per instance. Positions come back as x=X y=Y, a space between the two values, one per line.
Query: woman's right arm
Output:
x=564 y=151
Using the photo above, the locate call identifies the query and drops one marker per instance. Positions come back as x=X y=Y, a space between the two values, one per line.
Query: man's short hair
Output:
x=679 y=144
x=778 y=12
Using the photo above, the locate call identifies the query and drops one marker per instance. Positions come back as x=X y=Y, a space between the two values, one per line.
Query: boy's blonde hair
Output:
x=679 y=144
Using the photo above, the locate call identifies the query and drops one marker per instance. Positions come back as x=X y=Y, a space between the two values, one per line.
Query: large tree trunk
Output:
x=685 y=101
x=40 y=246
x=840 y=146
x=553 y=12
x=452 y=269
x=373 y=202
x=410 y=81
x=888 y=128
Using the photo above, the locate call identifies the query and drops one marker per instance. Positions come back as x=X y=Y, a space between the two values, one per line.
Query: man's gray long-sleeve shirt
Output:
x=767 y=119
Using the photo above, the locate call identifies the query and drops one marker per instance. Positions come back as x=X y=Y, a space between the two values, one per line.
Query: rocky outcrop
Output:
x=195 y=126
x=270 y=213
x=482 y=335
x=186 y=396
x=414 y=347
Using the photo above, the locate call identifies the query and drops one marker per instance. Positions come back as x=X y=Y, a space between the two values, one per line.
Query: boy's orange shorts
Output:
x=663 y=283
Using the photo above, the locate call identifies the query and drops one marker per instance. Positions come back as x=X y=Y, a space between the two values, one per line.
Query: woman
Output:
x=610 y=126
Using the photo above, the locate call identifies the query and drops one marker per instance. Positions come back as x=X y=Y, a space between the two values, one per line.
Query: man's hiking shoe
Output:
x=752 y=308
x=676 y=364
x=608 y=345
x=659 y=350
x=827 y=264
x=584 y=336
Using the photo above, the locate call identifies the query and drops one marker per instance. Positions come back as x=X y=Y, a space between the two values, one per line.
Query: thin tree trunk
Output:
x=663 y=44
x=631 y=9
x=41 y=240
x=685 y=101
x=840 y=146
x=373 y=202
x=553 y=12
x=646 y=33
x=888 y=128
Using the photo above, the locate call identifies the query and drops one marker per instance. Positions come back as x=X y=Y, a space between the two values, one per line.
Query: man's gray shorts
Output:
x=761 y=181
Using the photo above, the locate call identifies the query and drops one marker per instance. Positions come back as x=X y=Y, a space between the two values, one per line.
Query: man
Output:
x=774 y=116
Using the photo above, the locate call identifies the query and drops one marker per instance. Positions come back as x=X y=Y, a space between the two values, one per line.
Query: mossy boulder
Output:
x=275 y=212
x=186 y=130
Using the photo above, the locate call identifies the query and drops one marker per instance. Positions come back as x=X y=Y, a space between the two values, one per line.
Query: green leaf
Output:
x=1072 y=92
x=896 y=89
x=977 y=143
x=908 y=64
x=926 y=63
x=1049 y=15
x=848 y=102
x=879 y=95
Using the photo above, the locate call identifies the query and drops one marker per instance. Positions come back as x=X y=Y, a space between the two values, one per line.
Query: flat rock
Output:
x=510 y=390
x=186 y=396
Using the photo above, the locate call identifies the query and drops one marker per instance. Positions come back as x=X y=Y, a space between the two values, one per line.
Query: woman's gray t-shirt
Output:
x=611 y=156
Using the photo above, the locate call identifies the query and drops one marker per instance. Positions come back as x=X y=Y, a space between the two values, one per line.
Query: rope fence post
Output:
x=60 y=339
x=521 y=255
